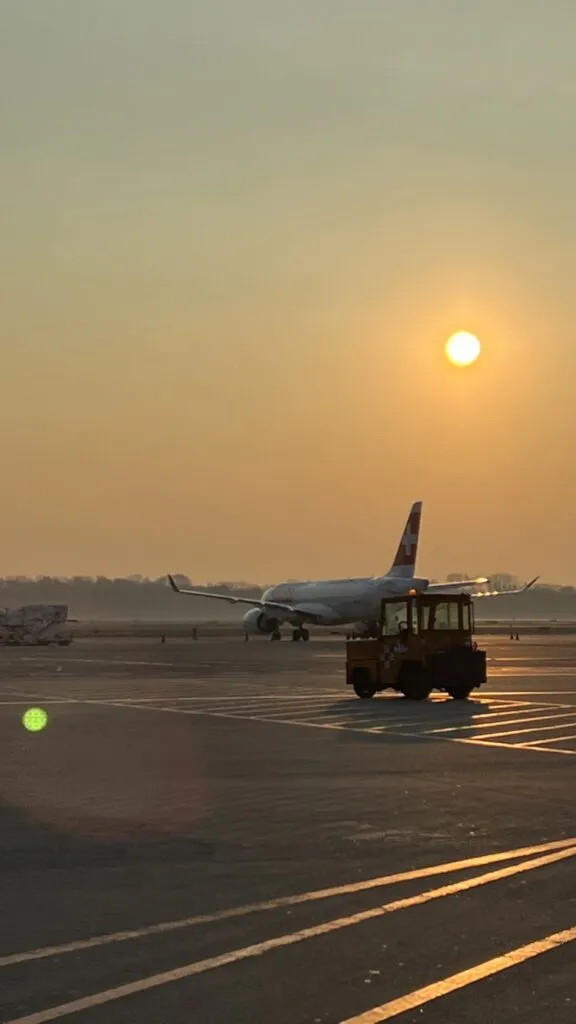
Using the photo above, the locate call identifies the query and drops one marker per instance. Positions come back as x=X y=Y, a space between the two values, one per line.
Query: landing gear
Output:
x=275 y=635
x=300 y=634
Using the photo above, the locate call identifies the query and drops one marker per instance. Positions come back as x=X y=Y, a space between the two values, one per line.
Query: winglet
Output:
x=173 y=584
x=531 y=584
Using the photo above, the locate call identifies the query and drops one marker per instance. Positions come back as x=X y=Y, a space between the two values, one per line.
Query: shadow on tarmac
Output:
x=387 y=715
x=26 y=843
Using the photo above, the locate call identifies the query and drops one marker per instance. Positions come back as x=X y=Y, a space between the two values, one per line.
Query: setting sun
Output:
x=462 y=348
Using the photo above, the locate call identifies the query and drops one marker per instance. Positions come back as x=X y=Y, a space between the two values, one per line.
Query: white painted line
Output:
x=537 y=704
x=282 y=707
x=319 y=718
x=311 y=896
x=465 y=722
x=532 y=658
x=239 y=708
x=505 y=746
x=509 y=704
x=367 y=730
x=238 y=698
x=324 y=713
x=544 y=742
x=527 y=693
x=26 y=700
x=291 y=938
x=422 y=996
x=512 y=721
x=545 y=750
x=502 y=672
x=354 y=711
x=259 y=712
x=534 y=728
x=100 y=661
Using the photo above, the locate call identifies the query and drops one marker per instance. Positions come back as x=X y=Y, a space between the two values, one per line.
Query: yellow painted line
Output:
x=422 y=996
x=286 y=901
x=259 y=949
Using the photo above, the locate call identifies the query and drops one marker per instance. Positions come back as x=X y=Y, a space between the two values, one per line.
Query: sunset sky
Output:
x=235 y=236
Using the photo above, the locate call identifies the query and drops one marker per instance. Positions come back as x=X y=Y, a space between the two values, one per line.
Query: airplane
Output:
x=343 y=601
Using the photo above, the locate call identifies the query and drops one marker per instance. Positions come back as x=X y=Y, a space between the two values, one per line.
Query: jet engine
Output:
x=256 y=621
x=402 y=586
x=419 y=585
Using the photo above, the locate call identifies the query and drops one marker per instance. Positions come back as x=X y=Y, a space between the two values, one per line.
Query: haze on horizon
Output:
x=235 y=240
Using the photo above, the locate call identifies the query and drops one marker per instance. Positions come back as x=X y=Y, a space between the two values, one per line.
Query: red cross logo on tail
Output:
x=408 y=547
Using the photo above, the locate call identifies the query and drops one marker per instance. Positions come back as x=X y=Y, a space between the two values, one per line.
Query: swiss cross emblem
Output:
x=409 y=542
x=410 y=538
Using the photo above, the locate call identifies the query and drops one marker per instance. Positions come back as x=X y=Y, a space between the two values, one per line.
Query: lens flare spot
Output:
x=35 y=719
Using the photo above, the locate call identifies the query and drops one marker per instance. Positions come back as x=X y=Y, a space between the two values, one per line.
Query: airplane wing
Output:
x=252 y=601
x=508 y=593
x=464 y=585
x=447 y=588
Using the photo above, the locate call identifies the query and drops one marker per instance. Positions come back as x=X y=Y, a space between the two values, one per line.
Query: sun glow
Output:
x=462 y=348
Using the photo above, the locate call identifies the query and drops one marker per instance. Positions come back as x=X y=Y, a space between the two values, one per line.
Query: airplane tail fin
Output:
x=404 y=564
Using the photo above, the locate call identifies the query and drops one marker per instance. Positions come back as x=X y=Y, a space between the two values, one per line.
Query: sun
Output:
x=462 y=348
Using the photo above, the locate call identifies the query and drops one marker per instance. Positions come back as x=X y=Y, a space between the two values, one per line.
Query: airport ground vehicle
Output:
x=424 y=642
x=35 y=624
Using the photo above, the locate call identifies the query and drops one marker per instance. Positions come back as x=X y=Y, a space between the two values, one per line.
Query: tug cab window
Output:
x=467 y=624
x=396 y=618
x=446 y=615
x=424 y=617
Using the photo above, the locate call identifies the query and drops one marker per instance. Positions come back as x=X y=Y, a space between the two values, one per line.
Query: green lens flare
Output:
x=35 y=719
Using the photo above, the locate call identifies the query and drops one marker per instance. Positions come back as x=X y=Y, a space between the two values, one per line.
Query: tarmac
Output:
x=222 y=832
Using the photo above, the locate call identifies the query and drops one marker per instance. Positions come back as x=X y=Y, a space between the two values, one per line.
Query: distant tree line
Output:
x=100 y=598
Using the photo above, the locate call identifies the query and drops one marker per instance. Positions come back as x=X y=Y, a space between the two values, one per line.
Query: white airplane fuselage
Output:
x=329 y=602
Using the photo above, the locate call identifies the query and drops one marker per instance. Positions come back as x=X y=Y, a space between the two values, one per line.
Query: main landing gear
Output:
x=300 y=634
x=297 y=634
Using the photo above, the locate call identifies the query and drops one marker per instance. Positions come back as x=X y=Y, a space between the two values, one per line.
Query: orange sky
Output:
x=235 y=239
